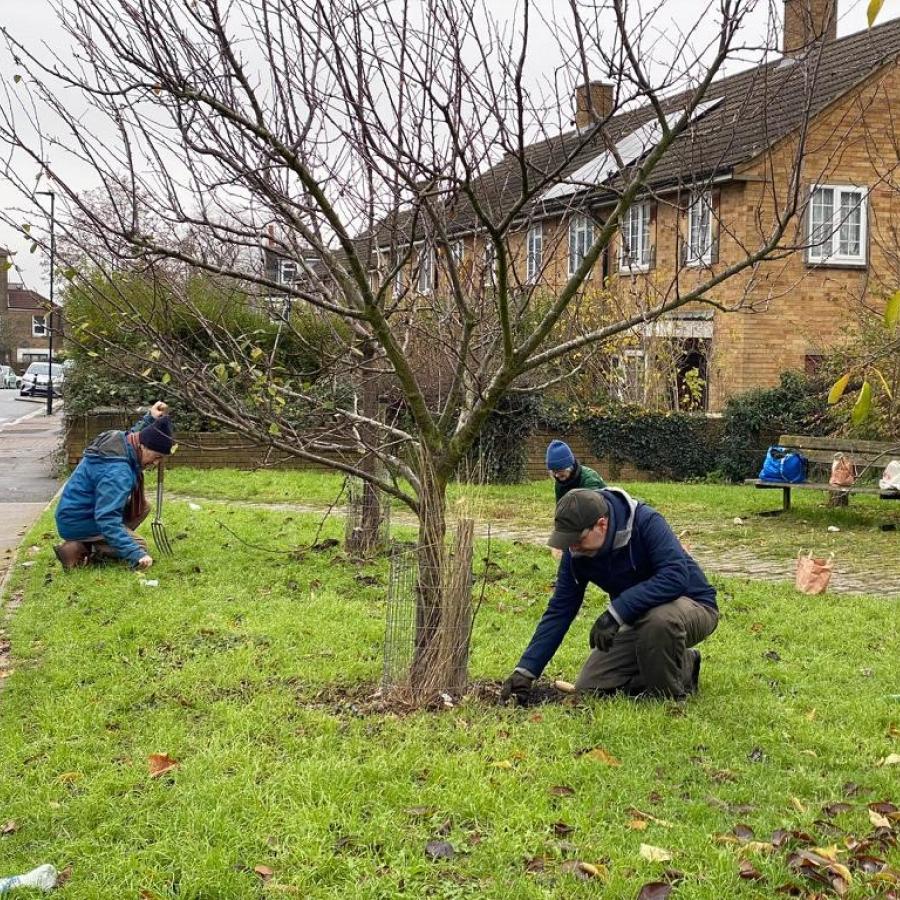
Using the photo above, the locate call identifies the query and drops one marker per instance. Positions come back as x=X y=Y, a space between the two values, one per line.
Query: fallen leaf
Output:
x=654 y=890
x=835 y=809
x=795 y=802
x=829 y=853
x=603 y=756
x=637 y=824
x=637 y=813
x=70 y=777
x=561 y=829
x=757 y=847
x=536 y=718
x=654 y=854
x=9 y=827
x=160 y=763
x=264 y=872
x=892 y=759
x=869 y=864
x=893 y=730
x=878 y=820
x=502 y=764
x=562 y=790
x=63 y=877
x=436 y=850
x=743 y=832
x=535 y=864
x=756 y=755
x=419 y=812
x=747 y=870
x=582 y=870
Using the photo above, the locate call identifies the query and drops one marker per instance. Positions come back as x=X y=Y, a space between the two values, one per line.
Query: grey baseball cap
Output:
x=578 y=509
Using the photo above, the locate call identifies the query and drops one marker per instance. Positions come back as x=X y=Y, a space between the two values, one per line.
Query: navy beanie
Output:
x=559 y=456
x=158 y=436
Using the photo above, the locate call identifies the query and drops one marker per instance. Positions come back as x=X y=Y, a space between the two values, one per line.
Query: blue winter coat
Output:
x=95 y=496
x=641 y=565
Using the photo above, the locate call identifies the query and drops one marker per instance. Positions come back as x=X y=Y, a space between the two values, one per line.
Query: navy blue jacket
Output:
x=94 y=498
x=640 y=565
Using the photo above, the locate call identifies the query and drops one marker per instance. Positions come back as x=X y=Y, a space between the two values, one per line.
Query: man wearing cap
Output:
x=660 y=601
x=103 y=501
x=568 y=472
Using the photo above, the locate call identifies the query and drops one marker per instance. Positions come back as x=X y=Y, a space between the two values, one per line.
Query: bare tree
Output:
x=396 y=155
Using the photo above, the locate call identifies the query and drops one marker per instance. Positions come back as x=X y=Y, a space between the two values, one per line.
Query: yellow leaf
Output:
x=502 y=764
x=872 y=11
x=595 y=871
x=637 y=824
x=798 y=805
x=655 y=854
x=601 y=755
x=811 y=715
x=892 y=759
x=842 y=870
x=863 y=404
x=893 y=730
x=838 y=388
x=829 y=853
x=756 y=847
x=878 y=820
x=70 y=777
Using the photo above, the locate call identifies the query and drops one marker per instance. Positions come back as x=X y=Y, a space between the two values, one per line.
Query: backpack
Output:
x=784 y=465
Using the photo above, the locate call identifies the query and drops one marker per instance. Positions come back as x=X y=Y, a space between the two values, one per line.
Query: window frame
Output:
x=41 y=331
x=426 y=266
x=705 y=258
x=534 y=261
x=283 y=264
x=639 y=262
x=578 y=227
x=860 y=260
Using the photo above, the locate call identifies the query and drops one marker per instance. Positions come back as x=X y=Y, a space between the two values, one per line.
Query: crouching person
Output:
x=660 y=601
x=103 y=501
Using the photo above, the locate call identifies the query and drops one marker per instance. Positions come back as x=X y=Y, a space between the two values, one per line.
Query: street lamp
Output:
x=52 y=197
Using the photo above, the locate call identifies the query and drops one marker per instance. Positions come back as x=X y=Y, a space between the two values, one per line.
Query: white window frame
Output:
x=284 y=266
x=425 y=277
x=638 y=257
x=827 y=252
x=700 y=254
x=39 y=330
x=534 y=252
x=581 y=237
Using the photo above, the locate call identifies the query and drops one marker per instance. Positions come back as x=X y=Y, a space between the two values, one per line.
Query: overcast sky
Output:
x=33 y=22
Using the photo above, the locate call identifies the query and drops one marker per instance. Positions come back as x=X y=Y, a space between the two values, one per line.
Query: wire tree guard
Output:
x=367 y=528
x=429 y=617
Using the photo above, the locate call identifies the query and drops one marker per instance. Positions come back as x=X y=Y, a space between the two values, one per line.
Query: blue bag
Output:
x=784 y=465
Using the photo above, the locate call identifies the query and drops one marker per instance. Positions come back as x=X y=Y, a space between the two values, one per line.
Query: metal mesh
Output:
x=367 y=525
x=400 y=627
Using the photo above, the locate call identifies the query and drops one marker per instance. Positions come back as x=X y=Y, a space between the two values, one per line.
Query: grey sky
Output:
x=34 y=22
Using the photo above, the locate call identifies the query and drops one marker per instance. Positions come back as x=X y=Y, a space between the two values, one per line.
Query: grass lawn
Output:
x=241 y=666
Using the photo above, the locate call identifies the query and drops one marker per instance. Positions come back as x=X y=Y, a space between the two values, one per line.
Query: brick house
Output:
x=716 y=190
x=24 y=336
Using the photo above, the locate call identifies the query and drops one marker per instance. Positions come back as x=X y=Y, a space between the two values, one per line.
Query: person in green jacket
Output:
x=568 y=473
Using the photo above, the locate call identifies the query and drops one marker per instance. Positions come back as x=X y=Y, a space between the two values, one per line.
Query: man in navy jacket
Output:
x=660 y=601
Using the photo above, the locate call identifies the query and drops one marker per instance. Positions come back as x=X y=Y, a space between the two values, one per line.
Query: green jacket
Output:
x=581 y=477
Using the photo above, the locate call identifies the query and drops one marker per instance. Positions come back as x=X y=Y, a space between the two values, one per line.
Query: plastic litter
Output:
x=150 y=582
x=194 y=506
x=43 y=878
x=833 y=528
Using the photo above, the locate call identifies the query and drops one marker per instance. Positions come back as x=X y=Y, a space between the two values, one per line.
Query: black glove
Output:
x=518 y=685
x=603 y=632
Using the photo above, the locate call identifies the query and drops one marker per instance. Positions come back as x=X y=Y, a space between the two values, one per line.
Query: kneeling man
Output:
x=660 y=601
x=103 y=501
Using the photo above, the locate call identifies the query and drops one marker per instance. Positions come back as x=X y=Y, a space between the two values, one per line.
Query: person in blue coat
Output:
x=661 y=603
x=103 y=500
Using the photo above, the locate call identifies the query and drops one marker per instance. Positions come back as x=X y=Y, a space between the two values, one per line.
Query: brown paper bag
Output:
x=813 y=573
x=843 y=472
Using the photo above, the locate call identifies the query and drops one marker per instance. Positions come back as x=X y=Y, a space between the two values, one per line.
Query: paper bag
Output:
x=813 y=574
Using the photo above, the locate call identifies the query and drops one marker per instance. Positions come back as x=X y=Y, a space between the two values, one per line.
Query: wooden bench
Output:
x=820 y=453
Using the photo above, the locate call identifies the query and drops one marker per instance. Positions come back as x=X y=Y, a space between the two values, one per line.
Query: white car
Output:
x=8 y=378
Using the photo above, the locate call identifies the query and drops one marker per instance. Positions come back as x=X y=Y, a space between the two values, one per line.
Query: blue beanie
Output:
x=559 y=456
x=158 y=436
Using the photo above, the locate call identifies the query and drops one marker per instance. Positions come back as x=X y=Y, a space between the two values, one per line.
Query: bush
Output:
x=674 y=445
x=752 y=421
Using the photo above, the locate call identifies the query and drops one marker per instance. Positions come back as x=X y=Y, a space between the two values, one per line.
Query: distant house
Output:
x=711 y=195
x=24 y=324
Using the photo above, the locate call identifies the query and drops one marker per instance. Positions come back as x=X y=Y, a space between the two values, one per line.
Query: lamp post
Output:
x=50 y=328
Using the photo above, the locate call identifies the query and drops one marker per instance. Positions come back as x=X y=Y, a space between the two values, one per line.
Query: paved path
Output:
x=27 y=447
x=741 y=562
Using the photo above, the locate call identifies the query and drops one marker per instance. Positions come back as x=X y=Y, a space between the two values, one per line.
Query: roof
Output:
x=19 y=297
x=758 y=107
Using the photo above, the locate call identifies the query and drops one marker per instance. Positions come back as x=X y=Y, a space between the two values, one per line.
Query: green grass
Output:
x=702 y=514
x=235 y=666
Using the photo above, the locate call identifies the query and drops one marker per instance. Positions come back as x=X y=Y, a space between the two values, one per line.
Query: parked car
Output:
x=36 y=378
x=8 y=378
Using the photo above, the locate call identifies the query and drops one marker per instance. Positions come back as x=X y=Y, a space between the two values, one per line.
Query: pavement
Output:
x=28 y=441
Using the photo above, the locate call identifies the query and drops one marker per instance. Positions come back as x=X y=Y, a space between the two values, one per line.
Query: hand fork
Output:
x=160 y=538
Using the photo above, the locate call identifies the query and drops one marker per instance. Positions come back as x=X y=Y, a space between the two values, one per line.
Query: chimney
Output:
x=808 y=21
x=593 y=103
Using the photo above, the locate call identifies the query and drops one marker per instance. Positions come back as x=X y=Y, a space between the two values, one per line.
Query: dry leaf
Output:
x=535 y=864
x=561 y=829
x=502 y=764
x=655 y=890
x=654 y=854
x=160 y=763
x=637 y=813
x=9 y=827
x=264 y=872
x=565 y=687
x=436 y=850
x=583 y=870
x=757 y=847
x=747 y=870
x=878 y=820
x=893 y=730
x=70 y=777
x=562 y=790
x=603 y=756
x=892 y=759
x=637 y=824
x=798 y=805
x=829 y=853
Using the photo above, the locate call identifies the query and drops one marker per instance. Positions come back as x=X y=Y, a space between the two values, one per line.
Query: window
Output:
x=837 y=225
x=535 y=260
x=287 y=271
x=581 y=236
x=38 y=326
x=425 y=283
x=635 y=249
x=700 y=245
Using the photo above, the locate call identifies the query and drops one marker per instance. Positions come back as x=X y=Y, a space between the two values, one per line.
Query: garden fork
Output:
x=160 y=538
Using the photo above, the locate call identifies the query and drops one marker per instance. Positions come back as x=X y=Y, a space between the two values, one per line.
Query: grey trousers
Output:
x=651 y=656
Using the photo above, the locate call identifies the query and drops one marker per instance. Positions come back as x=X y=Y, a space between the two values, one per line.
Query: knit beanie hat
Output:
x=559 y=456
x=158 y=436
